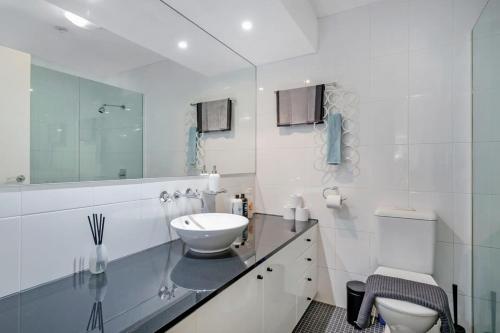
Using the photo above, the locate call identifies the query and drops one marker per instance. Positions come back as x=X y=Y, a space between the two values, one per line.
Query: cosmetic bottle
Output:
x=204 y=171
x=213 y=181
x=237 y=205
x=250 y=203
x=244 y=205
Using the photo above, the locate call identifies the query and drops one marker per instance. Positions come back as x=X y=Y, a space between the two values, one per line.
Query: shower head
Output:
x=102 y=109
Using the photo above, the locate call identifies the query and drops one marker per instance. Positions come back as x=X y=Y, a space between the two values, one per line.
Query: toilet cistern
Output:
x=405 y=248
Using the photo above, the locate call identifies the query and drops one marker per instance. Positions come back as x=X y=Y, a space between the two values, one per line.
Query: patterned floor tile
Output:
x=325 y=318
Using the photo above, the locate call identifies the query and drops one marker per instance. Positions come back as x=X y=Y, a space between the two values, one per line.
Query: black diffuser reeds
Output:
x=97 y=228
x=95 y=319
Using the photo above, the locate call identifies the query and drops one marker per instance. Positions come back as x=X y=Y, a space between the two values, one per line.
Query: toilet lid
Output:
x=402 y=306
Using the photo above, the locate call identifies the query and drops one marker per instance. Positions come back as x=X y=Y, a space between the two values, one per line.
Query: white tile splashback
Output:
x=46 y=235
x=47 y=198
x=10 y=199
x=52 y=244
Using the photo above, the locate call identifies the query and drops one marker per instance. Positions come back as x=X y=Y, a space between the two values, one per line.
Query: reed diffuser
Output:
x=98 y=259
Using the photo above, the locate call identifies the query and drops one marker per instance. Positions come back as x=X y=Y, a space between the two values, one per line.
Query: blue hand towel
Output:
x=192 y=147
x=334 y=139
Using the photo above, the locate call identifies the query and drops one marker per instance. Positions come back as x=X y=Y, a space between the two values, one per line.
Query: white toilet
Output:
x=405 y=249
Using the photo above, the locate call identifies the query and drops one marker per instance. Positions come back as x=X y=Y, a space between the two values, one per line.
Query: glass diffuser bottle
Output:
x=98 y=259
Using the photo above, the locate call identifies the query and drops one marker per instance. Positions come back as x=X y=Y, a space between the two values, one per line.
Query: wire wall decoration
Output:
x=336 y=99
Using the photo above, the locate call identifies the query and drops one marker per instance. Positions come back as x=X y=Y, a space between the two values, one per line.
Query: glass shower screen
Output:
x=486 y=169
x=83 y=130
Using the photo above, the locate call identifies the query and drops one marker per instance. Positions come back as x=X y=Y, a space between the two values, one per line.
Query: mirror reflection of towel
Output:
x=192 y=146
x=214 y=116
x=300 y=105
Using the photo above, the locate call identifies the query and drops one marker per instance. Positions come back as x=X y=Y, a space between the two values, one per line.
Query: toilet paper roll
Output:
x=334 y=201
x=302 y=214
x=289 y=213
x=295 y=200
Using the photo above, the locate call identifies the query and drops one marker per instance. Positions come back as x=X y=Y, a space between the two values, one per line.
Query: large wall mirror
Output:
x=89 y=92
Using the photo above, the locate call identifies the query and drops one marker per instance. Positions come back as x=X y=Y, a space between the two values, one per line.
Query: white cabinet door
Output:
x=307 y=286
x=279 y=294
x=236 y=309
x=271 y=298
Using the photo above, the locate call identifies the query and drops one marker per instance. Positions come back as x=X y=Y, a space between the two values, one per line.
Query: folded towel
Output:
x=192 y=146
x=427 y=295
x=214 y=115
x=300 y=105
x=334 y=139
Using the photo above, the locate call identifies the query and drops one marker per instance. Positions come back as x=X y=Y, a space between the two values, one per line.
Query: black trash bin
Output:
x=355 y=293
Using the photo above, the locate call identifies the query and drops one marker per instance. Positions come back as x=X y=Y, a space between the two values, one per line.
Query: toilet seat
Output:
x=403 y=306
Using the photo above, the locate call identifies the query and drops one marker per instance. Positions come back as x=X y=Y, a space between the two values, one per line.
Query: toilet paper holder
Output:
x=336 y=190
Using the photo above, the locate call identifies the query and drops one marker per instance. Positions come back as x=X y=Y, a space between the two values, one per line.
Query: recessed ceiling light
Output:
x=247 y=25
x=261 y=89
x=182 y=44
x=307 y=81
x=77 y=20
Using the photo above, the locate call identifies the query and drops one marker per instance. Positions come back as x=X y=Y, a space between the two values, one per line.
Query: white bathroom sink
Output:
x=210 y=232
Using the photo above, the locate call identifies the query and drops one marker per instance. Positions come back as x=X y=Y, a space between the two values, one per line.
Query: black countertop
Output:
x=149 y=291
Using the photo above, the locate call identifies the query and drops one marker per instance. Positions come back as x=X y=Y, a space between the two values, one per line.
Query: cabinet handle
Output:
x=309 y=299
x=308 y=239
x=260 y=277
x=269 y=269
x=308 y=259
x=309 y=279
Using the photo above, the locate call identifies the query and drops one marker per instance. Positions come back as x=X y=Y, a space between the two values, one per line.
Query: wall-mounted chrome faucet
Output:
x=165 y=197
x=189 y=193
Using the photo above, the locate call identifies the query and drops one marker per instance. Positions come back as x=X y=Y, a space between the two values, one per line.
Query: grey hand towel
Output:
x=214 y=116
x=300 y=105
x=427 y=295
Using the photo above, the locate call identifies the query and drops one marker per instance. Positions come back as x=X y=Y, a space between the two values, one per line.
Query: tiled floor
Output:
x=325 y=318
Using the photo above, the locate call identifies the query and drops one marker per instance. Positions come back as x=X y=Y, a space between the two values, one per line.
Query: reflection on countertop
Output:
x=146 y=292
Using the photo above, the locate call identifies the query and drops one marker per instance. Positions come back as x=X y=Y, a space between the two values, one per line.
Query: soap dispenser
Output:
x=213 y=181
x=204 y=171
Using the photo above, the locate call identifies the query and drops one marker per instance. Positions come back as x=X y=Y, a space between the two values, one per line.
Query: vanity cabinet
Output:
x=239 y=306
x=279 y=294
x=271 y=298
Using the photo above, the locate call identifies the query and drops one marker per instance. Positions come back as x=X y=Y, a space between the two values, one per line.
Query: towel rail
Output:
x=194 y=104
x=338 y=99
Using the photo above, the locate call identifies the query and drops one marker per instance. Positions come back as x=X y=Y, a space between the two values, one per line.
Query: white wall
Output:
x=15 y=70
x=409 y=63
x=239 y=143
x=44 y=234
x=169 y=89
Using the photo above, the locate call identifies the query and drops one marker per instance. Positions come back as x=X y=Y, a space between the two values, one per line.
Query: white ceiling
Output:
x=328 y=7
x=135 y=33
x=29 y=26
x=154 y=26
x=281 y=28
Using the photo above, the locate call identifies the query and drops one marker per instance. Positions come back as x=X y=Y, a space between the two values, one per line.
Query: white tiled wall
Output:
x=44 y=233
x=409 y=63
